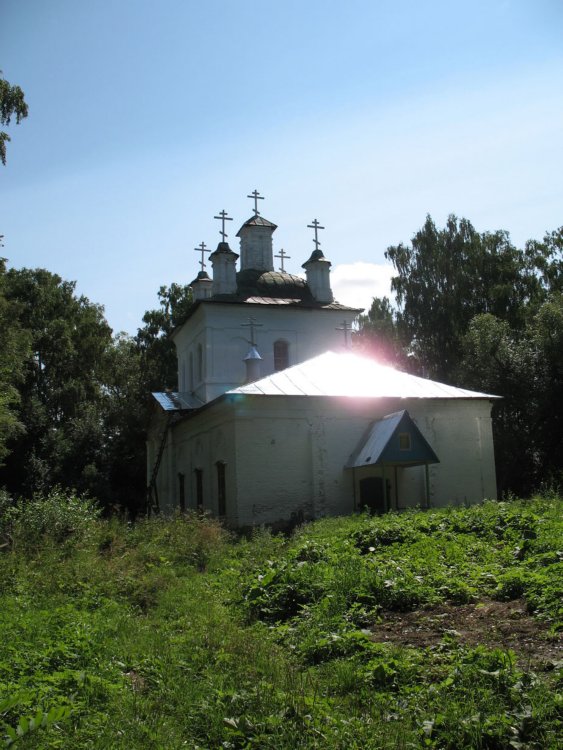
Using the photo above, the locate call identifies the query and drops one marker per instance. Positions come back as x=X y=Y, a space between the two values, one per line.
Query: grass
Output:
x=175 y=634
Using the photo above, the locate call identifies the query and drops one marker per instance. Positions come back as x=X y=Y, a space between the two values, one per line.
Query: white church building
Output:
x=277 y=420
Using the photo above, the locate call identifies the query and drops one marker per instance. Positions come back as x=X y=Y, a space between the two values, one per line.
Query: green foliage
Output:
x=158 y=353
x=61 y=391
x=74 y=403
x=14 y=348
x=526 y=367
x=12 y=104
x=445 y=278
x=378 y=334
x=403 y=561
x=172 y=633
x=51 y=519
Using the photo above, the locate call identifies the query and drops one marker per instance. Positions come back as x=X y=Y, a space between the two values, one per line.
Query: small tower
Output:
x=252 y=362
x=223 y=262
x=201 y=286
x=317 y=269
x=256 y=251
x=253 y=358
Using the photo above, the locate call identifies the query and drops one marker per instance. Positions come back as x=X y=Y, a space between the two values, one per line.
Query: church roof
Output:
x=277 y=288
x=278 y=284
x=257 y=221
x=350 y=375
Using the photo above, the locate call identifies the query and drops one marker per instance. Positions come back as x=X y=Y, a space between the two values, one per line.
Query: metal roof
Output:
x=352 y=376
x=252 y=282
x=257 y=221
x=175 y=401
x=381 y=444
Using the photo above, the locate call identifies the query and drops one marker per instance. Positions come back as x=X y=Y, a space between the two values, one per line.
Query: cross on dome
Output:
x=283 y=256
x=316 y=226
x=257 y=197
x=202 y=249
x=223 y=218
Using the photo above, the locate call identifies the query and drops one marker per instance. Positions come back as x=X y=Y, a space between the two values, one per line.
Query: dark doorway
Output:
x=182 y=483
x=199 y=488
x=221 y=489
x=372 y=495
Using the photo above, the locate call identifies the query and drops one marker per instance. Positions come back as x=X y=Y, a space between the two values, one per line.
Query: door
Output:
x=372 y=495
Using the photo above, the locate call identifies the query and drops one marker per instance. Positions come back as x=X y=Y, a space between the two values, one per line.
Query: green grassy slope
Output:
x=436 y=629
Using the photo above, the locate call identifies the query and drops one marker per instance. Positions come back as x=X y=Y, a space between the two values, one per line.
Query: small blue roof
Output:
x=396 y=440
x=174 y=401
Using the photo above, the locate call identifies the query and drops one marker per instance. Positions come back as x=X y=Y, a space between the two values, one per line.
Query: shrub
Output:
x=57 y=517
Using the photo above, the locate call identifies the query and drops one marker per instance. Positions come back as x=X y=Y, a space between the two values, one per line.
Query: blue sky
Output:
x=146 y=119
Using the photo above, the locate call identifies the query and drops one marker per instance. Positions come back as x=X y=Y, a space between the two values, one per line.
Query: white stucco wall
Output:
x=218 y=328
x=197 y=443
x=285 y=456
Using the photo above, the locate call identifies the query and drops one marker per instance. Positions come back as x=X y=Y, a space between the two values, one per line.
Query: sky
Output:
x=146 y=119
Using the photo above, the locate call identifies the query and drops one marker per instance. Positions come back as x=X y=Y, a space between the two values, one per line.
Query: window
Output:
x=199 y=488
x=281 y=355
x=221 y=489
x=404 y=441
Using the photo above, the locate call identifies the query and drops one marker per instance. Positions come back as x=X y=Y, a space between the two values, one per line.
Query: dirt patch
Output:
x=505 y=625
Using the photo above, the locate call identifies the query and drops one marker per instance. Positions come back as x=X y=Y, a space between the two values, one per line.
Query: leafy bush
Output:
x=57 y=517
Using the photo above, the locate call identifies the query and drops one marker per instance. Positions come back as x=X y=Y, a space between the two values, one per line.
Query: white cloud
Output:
x=356 y=284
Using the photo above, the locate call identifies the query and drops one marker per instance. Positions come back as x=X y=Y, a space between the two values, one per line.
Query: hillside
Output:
x=436 y=629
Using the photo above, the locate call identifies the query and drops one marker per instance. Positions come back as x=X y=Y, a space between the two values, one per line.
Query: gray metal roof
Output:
x=350 y=375
x=175 y=401
x=257 y=221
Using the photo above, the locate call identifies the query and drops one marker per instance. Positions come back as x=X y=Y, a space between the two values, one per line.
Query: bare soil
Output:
x=505 y=625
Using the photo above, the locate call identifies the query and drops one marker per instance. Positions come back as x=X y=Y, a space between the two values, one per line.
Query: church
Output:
x=276 y=420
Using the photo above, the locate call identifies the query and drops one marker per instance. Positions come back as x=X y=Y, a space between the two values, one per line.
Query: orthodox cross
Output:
x=223 y=218
x=201 y=249
x=347 y=328
x=316 y=226
x=257 y=197
x=252 y=324
x=283 y=256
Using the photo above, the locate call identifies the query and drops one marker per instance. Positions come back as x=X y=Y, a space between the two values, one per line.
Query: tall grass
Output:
x=174 y=633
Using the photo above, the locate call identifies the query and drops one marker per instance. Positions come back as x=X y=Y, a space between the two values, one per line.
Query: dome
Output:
x=275 y=284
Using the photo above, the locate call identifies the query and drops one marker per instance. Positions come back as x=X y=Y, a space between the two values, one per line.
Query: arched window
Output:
x=281 y=354
x=191 y=372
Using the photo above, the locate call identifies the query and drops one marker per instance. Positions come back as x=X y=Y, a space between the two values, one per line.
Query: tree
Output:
x=14 y=348
x=378 y=334
x=525 y=367
x=547 y=258
x=12 y=104
x=445 y=278
x=125 y=422
x=158 y=353
x=61 y=392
